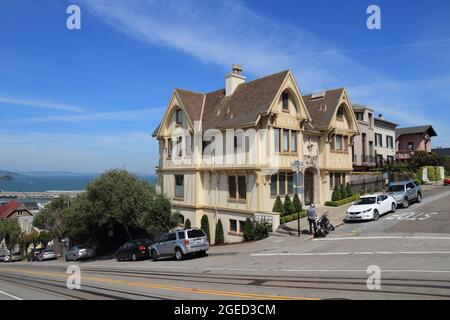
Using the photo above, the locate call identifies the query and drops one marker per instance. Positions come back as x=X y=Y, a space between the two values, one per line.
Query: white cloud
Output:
x=31 y=103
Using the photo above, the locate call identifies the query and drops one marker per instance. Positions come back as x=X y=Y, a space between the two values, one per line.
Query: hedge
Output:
x=434 y=174
x=292 y=217
x=342 y=202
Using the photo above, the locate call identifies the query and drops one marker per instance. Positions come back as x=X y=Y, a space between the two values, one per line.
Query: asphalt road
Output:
x=411 y=248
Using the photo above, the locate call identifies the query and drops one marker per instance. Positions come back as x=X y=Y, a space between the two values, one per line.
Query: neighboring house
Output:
x=443 y=152
x=385 y=146
x=413 y=139
x=363 y=151
x=16 y=210
x=227 y=154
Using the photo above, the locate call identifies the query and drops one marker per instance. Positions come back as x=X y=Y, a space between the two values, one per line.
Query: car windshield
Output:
x=146 y=242
x=195 y=233
x=396 y=188
x=48 y=250
x=368 y=200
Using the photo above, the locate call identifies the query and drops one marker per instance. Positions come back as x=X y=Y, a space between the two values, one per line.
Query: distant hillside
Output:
x=8 y=173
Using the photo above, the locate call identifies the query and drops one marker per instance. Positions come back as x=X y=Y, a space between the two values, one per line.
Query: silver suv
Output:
x=180 y=243
x=404 y=192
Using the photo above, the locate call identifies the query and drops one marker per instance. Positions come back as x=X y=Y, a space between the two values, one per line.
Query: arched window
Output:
x=340 y=113
x=285 y=99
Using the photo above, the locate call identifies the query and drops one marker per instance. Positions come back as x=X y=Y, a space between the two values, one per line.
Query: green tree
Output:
x=157 y=217
x=297 y=204
x=205 y=226
x=278 y=206
x=349 y=190
x=187 y=224
x=44 y=238
x=288 y=206
x=343 y=191
x=249 y=230
x=336 y=195
x=262 y=230
x=219 y=238
x=51 y=219
x=28 y=239
x=10 y=232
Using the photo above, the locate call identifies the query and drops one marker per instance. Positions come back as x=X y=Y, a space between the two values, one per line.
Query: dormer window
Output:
x=179 y=117
x=285 y=99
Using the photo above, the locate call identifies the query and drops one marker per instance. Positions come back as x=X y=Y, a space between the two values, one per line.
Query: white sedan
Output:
x=371 y=207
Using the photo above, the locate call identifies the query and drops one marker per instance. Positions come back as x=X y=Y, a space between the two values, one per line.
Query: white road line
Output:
x=364 y=270
x=10 y=295
x=237 y=269
x=384 y=237
x=346 y=253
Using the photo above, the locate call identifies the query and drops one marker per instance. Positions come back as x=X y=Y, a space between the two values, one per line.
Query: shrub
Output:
x=187 y=224
x=278 y=206
x=343 y=191
x=219 y=238
x=370 y=191
x=249 y=230
x=349 y=190
x=262 y=230
x=205 y=226
x=342 y=202
x=288 y=206
x=336 y=194
x=434 y=174
x=297 y=204
x=419 y=181
x=292 y=217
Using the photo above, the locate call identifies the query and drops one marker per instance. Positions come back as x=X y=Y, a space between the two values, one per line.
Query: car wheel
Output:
x=203 y=253
x=405 y=203
x=419 y=198
x=154 y=255
x=394 y=207
x=134 y=257
x=376 y=215
x=179 y=255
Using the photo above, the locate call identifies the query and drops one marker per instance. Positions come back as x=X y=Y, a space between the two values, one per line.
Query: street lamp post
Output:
x=296 y=167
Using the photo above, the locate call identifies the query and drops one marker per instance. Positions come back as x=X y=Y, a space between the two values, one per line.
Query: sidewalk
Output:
x=335 y=214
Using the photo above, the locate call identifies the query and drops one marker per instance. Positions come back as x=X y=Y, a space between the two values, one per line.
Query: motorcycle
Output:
x=326 y=222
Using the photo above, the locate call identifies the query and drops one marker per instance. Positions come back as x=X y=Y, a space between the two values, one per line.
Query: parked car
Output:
x=371 y=207
x=16 y=256
x=404 y=192
x=32 y=256
x=2 y=258
x=80 y=253
x=180 y=243
x=446 y=181
x=46 y=254
x=134 y=250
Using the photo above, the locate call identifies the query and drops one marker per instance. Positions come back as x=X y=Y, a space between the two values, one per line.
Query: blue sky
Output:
x=87 y=100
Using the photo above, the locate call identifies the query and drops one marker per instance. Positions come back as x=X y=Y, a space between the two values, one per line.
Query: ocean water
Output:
x=41 y=183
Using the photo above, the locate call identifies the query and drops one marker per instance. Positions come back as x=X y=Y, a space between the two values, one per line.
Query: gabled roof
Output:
x=322 y=108
x=7 y=209
x=192 y=103
x=413 y=130
x=243 y=107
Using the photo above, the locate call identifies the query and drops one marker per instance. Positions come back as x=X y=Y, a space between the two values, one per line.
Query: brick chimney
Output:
x=233 y=79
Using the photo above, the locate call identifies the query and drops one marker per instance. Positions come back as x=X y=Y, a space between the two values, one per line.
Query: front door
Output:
x=309 y=187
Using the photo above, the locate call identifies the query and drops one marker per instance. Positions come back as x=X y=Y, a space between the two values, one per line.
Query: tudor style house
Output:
x=228 y=153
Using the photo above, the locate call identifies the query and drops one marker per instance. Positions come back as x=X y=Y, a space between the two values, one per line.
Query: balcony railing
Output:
x=404 y=154
x=368 y=159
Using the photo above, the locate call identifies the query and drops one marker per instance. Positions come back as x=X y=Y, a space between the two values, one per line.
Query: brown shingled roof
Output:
x=412 y=130
x=322 y=110
x=243 y=107
x=192 y=102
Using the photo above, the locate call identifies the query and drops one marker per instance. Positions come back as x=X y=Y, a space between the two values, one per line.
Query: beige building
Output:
x=227 y=154
x=363 y=152
x=385 y=146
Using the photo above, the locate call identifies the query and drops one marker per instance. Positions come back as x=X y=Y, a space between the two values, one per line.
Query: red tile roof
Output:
x=7 y=209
